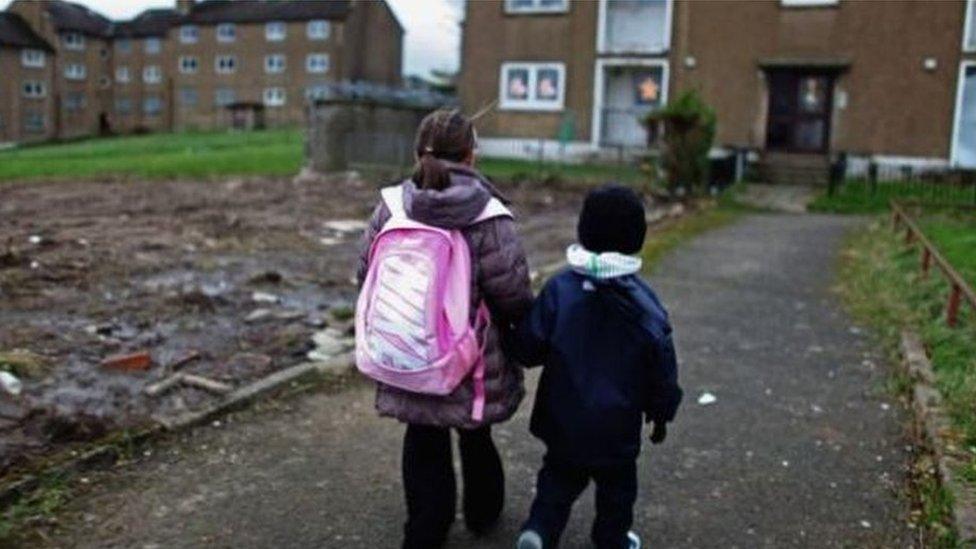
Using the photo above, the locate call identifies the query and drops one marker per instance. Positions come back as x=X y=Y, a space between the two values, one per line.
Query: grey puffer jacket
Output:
x=500 y=276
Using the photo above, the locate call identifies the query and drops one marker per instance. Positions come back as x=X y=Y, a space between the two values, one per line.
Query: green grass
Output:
x=954 y=234
x=883 y=288
x=159 y=156
x=508 y=169
x=39 y=507
x=858 y=197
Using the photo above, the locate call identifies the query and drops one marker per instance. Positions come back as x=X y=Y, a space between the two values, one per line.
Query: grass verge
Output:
x=860 y=197
x=883 y=288
x=197 y=155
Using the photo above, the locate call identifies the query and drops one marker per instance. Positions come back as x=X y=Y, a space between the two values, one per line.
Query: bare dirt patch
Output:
x=227 y=281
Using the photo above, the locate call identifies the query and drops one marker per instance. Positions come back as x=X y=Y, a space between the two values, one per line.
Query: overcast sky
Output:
x=433 y=35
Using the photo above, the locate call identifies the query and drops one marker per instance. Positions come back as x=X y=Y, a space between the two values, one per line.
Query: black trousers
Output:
x=431 y=491
x=560 y=483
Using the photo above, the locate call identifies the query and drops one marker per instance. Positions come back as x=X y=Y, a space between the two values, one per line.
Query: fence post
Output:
x=926 y=261
x=873 y=177
x=952 y=309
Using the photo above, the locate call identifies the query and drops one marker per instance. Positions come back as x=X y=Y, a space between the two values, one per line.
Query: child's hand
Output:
x=660 y=433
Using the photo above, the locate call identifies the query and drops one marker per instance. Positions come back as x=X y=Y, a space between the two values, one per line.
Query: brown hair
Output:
x=444 y=135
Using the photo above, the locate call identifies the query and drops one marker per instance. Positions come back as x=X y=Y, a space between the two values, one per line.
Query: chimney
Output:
x=184 y=6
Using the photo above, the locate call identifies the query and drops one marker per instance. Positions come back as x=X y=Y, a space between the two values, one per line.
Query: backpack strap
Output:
x=393 y=198
x=494 y=208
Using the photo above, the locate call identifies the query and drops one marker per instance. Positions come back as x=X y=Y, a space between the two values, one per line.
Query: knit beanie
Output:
x=612 y=220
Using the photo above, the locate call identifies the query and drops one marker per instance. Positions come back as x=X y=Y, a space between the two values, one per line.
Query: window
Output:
x=104 y=82
x=123 y=105
x=152 y=74
x=274 y=97
x=189 y=34
x=33 y=59
x=317 y=92
x=122 y=75
x=153 y=46
x=226 y=32
x=274 y=64
x=317 y=63
x=635 y=26
x=969 y=29
x=188 y=96
x=532 y=86
x=536 y=6
x=808 y=3
x=224 y=97
x=275 y=31
x=34 y=89
x=74 y=71
x=225 y=64
x=74 y=101
x=103 y=53
x=33 y=121
x=152 y=105
x=123 y=45
x=318 y=29
x=73 y=41
x=189 y=64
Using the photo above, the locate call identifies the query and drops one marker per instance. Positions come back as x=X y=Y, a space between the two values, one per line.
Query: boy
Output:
x=609 y=362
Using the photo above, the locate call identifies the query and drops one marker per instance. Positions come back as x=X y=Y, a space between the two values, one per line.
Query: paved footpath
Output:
x=800 y=449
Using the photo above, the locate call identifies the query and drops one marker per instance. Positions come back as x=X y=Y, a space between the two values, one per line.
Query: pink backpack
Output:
x=413 y=328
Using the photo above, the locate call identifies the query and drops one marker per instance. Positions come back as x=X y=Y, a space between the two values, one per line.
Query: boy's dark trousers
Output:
x=431 y=491
x=561 y=482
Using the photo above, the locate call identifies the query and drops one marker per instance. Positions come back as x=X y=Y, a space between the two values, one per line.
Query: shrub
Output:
x=687 y=129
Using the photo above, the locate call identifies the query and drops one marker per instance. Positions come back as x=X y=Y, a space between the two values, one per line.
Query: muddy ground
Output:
x=237 y=275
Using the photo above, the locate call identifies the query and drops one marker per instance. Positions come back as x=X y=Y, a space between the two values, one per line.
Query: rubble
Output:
x=206 y=384
x=133 y=362
x=10 y=383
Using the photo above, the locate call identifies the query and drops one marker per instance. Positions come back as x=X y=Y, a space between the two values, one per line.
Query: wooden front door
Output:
x=800 y=104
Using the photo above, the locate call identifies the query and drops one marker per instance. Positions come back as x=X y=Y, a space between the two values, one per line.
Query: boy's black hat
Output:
x=612 y=220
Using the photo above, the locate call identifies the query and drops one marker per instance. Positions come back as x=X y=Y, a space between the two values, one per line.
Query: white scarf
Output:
x=601 y=266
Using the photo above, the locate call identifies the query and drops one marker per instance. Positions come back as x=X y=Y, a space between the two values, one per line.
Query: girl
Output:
x=445 y=191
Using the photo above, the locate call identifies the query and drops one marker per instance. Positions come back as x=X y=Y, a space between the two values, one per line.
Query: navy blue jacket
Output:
x=609 y=362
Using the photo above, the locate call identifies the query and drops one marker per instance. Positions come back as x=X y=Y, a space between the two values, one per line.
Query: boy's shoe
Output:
x=530 y=539
x=634 y=539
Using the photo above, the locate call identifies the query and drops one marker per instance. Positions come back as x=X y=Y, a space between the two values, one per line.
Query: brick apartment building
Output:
x=200 y=65
x=792 y=80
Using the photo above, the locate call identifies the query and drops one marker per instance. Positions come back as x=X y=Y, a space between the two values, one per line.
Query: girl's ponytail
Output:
x=444 y=135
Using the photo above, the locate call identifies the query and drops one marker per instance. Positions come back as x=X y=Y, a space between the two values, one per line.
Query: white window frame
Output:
x=159 y=101
x=601 y=30
x=957 y=113
x=30 y=115
x=71 y=106
x=317 y=90
x=33 y=58
x=122 y=75
x=537 y=7
x=808 y=3
x=182 y=95
x=531 y=104
x=152 y=46
x=319 y=29
x=123 y=101
x=224 y=91
x=274 y=97
x=73 y=41
x=226 y=33
x=152 y=74
x=967 y=33
x=312 y=68
x=598 y=86
x=231 y=69
x=189 y=64
x=189 y=34
x=272 y=35
x=271 y=64
x=75 y=71
x=38 y=89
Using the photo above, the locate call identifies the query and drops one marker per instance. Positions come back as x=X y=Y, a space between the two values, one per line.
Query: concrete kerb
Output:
x=932 y=423
x=107 y=454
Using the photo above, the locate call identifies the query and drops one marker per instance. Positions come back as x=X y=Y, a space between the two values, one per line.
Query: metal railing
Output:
x=959 y=289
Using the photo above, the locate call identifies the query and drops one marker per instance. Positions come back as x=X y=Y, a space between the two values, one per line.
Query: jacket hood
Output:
x=454 y=207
